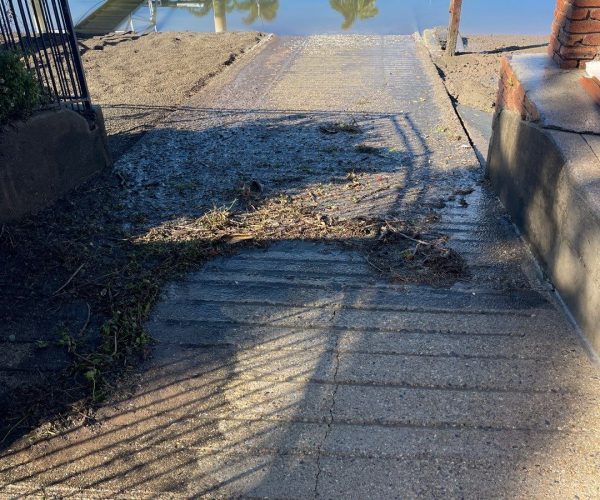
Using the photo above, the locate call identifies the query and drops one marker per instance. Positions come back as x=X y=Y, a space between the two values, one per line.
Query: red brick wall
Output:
x=511 y=94
x=575 y=32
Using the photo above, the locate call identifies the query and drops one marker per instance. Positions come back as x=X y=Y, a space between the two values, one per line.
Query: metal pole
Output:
x=74 y=46
x=455 y=10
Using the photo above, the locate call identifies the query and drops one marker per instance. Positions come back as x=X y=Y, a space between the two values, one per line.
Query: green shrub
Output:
x=19 y=90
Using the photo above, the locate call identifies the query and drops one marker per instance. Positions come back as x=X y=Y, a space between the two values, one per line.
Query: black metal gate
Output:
x=42 y=32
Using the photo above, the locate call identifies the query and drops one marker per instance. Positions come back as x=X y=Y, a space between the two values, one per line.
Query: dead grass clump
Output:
x=408 y=254
x=349 y=127
x=366 y=149
x=402 y=251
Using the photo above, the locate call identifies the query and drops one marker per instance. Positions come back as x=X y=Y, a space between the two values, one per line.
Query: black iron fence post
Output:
x=42 y=31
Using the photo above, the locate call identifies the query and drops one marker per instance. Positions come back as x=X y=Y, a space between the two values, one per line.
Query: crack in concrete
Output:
x=558 y=128
x=336 y=365
x=589 y=146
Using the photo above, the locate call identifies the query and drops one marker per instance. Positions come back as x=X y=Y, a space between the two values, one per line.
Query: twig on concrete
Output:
x=12 y=429
x=374 y=266
x=87 y=321
x=69 y=280
x=10 y=239
x=406 y=236
x=372 y=193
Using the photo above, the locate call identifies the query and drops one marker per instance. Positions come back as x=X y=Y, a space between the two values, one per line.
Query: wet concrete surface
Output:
x=298 y=370
x=478 y=124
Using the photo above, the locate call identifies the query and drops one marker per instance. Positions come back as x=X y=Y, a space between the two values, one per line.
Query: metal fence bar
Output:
x=77 y=70
x=31 y=25
x=42 y=32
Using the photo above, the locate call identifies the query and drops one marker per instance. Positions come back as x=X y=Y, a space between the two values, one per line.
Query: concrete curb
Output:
x=546 y=189
x=45 y=157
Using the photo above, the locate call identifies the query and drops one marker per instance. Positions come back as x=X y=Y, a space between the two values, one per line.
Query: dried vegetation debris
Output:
x=402 y=251
x=349 y=127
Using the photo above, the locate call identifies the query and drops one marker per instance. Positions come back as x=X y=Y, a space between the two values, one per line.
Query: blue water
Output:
x=304 y=17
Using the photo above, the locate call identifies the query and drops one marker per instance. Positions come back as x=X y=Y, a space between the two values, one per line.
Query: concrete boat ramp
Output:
x=107 y=17
x=299 y=370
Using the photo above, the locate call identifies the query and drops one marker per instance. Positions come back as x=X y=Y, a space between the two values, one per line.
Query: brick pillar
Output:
x=512 y=95
x=575 y=33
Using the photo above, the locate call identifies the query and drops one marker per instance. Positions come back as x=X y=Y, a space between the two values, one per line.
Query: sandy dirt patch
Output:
x=138 y=80
x=472 y=77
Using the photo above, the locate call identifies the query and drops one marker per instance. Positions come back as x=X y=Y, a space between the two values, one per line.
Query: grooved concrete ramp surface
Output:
x=107 y=17
x=298 y=370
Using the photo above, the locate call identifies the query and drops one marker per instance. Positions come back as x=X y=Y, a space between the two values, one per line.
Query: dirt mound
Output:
x=472 y=78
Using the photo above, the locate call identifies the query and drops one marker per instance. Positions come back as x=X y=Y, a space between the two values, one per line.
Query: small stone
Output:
x=12 y=338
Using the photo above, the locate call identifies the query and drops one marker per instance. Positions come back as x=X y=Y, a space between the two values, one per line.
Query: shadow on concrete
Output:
x=269 y=402
x=96 y=225
x=297 y=401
